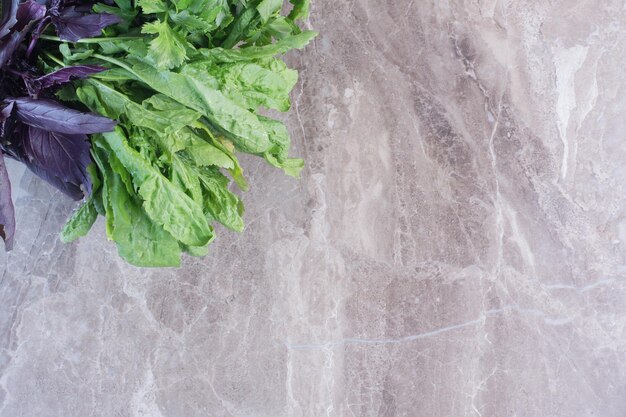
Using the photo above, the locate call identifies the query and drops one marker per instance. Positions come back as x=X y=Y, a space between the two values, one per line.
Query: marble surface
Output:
x=456 y=247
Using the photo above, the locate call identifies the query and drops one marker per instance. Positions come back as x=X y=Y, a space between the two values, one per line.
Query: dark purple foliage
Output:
x=52 y=141
x=51 y=115
x=73 y=20
x=27 y=12
x=73 y=25
x=7 y=124
x=7 y=16
x=7 y=212
x=61 y=159
x=48 y=137
x=62 y=76
x=6 y=112
x=9 y=45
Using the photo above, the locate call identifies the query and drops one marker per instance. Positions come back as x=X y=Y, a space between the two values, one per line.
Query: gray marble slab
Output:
x=456 y=246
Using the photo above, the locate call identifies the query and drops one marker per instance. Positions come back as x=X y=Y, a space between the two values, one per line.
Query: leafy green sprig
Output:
x=189 y=82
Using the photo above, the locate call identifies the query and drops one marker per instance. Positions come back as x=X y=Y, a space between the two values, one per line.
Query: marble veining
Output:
x=456 y=246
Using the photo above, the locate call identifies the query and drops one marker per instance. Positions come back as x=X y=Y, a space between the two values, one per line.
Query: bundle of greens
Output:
x=186 y=81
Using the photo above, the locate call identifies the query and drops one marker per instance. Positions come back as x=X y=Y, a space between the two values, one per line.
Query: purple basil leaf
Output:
x=6 y=111
x=27 y=12
x=73 y=191
x=9 y=45
x=6 y=121
x=73 y=26
x=51 y=115
x=8 y=17
x=7 y=211
x=36 y=33
x=58 y=158
x=62 y=76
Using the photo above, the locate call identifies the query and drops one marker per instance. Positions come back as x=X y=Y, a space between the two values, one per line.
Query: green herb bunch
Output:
x=187 y=80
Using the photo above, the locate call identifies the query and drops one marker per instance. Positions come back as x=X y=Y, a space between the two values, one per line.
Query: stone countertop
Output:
x=456 y=246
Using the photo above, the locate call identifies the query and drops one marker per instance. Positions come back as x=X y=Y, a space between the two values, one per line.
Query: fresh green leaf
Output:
x=168 y=49
x=164 y=203
x=124 y=4
x=291 y=166
x=163 y=116
x=254 y=85
x=152 y=6
x=253 y=53
x=279 y=28
x=193 y=23
x=75 y=55
x=267 y=8
x=242 y=126
x=220 y=202
x=202 y=152
x=239 y=28
x=103 y=166
x=198 y=252
x=80 y=223
x=126 y=14
x=187 y=97
x=300 y=9
x=139 y=240
x=186 y=179
x=279 y=155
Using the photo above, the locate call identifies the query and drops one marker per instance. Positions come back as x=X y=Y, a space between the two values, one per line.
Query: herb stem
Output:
x=54 y=58
x=113 y=61
x=92 y=40
x=119 y=64
x=14 y=72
